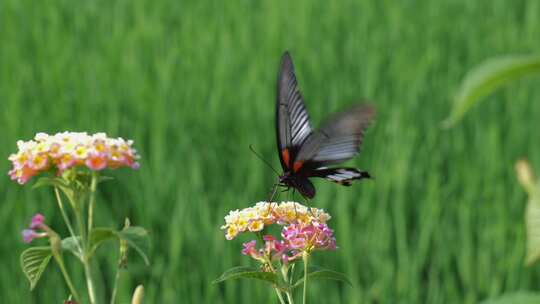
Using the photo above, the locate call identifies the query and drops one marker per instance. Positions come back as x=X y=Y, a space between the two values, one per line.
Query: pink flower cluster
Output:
x=38 y=223
x=68 y=149
x=272 y=249
x=255 y=218
x=304 y=230
x=297 y=239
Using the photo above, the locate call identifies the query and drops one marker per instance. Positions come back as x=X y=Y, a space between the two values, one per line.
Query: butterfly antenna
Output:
x=264 y=160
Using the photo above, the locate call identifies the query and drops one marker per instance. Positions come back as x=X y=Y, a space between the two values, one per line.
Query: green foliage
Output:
x=70 y=244
x=320 y=273
x=34 y=260
x=138 y=239
x=489 y=76
x=98 y=236
x=245 y=272
x=516 y=298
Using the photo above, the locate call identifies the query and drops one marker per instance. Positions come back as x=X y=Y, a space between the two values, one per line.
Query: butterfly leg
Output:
x=272 y=193
x=307 y=201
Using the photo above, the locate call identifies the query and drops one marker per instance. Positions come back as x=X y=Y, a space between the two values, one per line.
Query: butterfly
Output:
x=305 y=153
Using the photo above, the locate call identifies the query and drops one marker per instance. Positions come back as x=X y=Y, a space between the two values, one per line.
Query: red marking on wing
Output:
x=285 y=157
x=297 y=165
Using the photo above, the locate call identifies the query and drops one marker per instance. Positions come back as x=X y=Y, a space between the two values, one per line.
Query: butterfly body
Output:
x=305 y=153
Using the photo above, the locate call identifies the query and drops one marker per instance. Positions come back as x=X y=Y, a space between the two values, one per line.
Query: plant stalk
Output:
x=285 y=274
x=305 y=258
x=89 y=281
x=85 y=260
x=66 y=219
x=115 y=288
x=281 y=300
x=67 y=278
x=92 y=201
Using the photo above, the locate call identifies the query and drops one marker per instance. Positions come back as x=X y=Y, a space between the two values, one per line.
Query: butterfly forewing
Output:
x=292 y=120
x=338 y=139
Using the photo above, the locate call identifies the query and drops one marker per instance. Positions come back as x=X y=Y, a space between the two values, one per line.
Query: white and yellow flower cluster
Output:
x=264 y=213
x=68 y=149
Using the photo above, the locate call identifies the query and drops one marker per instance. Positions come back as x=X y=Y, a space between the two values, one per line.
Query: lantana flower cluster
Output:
x=65 y=150
x=255 y=218
x=304 y=230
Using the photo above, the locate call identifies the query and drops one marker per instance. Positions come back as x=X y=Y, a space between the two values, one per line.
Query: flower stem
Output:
x=285 y=274
x=115 y=288
x=67 y=278
x=290 y=297
x=66 y=219
x=92 y=201
x=89 y=281
x=305 y=258
x=281 y=300
x=85 y=260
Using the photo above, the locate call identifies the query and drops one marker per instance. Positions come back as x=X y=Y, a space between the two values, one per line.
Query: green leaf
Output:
x=70 y=244
x=103 y=178
x=516 y=298
x=247 y=273
x=34 y=260
x=487 y=77
x=316 y=272
x=532 y=221
x=51 y=181
x=98 y=236
x=138 y=239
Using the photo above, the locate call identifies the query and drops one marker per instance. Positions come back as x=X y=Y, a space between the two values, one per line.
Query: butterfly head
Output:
x=284 y=178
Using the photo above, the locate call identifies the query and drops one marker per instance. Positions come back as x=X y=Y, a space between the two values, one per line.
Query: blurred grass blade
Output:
x=316 y=272
x=247 y=273
x=34 y=260
x=516 y=298
x=486 y=78
x=532 y=212
x=532 y=220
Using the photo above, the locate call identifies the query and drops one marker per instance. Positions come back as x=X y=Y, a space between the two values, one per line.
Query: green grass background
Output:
x=193 y=83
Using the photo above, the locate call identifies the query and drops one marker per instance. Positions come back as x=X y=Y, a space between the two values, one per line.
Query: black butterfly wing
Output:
x=292 y=119
x=342 y=176
x=338 y=139
x=304 y=186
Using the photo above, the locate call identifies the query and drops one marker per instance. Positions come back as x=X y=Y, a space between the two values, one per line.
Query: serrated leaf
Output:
x=516 y=298
x=532 y=222
x=245 y=272
x=487 y=77
x=34 y=260
x=138 y=239
x=319 y=273
x=70 y=244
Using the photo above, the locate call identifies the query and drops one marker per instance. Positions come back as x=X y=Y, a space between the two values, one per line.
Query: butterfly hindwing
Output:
x=342 y=176
x=292 y=120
